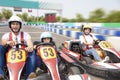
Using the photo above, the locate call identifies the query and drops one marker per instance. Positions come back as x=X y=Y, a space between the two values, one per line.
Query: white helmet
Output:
x=87 y=26
x=16 y=19
x=45 y=35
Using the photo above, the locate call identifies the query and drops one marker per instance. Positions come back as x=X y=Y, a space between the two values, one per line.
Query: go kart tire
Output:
x=74 y=70
x=87 y=60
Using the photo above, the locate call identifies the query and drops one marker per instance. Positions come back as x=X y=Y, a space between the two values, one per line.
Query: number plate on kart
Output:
x=47 y=52
x=16 y=56
x=106 y=44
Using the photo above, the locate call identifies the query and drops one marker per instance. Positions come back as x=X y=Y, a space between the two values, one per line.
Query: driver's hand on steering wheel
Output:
x=11 y=43
x=97 y=42
x=29 y=49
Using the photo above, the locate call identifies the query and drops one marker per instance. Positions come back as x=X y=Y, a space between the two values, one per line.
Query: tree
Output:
x=72 y=20
x=97 y=15
x=30 y=18
x=25 y=16
x=42 y=19
x=6 y=13
x=65 y=19
x=113 y=16
x=57 y=18
x=0 y=16
x=79 y=18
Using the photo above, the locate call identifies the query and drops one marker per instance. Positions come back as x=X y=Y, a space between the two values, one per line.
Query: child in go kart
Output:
x=10 y=39
x=88 y=40
x=46 y=37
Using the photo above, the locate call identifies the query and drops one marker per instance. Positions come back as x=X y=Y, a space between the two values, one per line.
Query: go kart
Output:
x=49 y=65
x=54 y=70
x=109 y=69
x=70 y=68
x=15 y=62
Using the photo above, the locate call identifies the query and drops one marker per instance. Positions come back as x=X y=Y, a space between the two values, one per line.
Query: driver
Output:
x=45 y=37
x=88 y=40
x=10 y=39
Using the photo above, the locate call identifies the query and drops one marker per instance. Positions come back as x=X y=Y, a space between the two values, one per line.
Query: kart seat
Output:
x=75 y=47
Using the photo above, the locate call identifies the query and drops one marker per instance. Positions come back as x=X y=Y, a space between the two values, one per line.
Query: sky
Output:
x=84 y=7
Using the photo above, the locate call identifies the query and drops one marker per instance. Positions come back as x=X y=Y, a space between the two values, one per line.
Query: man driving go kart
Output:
x=10 y=39
x=88 y=40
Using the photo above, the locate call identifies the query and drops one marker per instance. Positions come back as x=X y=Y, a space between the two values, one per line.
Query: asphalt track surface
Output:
x=35 y=34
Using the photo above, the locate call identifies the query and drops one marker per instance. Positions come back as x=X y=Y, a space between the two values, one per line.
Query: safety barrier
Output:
x=76 y=34
x=69 y=33
x=109 y=32
x=110 y=29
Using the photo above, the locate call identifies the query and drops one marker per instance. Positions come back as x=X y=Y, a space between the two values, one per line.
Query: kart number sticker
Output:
x=106 y=44
x=47 y=53
x=16 y=56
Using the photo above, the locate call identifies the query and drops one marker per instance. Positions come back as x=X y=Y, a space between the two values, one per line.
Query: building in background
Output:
x=50 y=17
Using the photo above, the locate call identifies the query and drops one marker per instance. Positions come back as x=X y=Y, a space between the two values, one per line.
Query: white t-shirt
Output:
x=17 y=38
x=87 y=38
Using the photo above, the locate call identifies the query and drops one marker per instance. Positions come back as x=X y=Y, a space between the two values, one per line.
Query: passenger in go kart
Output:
x=88 y=40
x=45 y=37
x=10 y=39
